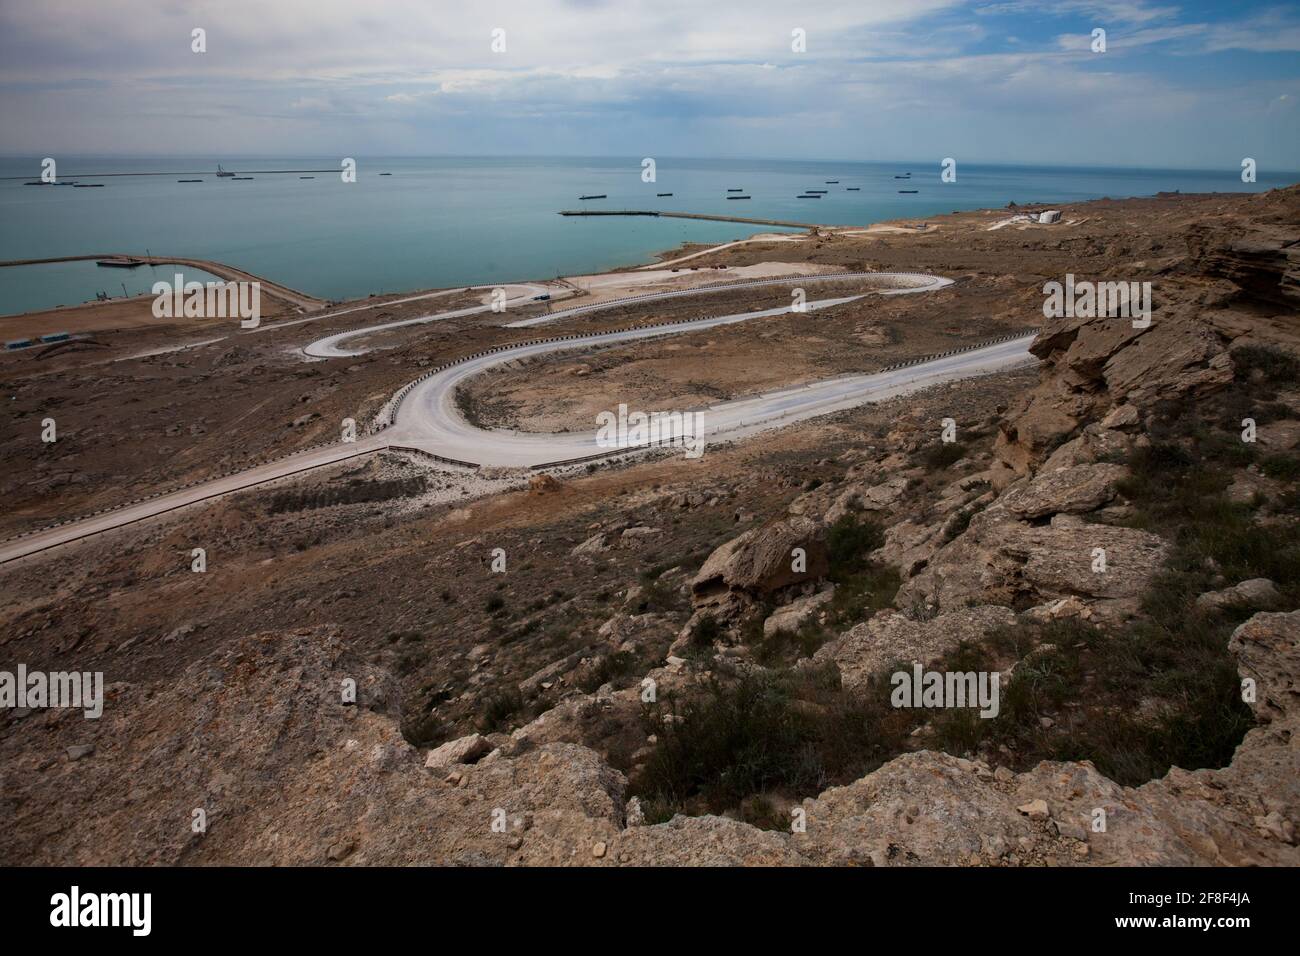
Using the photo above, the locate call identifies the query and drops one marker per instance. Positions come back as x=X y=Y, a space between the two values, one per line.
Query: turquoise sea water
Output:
x=461 y=221
x=55 y=284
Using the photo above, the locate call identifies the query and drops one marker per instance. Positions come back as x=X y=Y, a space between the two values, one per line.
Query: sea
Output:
x=414 y=223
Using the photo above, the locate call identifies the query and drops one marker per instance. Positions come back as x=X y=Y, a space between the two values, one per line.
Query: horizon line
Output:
x=1017 y=164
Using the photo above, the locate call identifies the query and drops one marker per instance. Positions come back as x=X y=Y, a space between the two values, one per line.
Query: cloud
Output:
x=894 y=77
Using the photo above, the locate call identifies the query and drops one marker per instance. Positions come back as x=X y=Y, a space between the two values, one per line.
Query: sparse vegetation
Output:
x=940 y=455
x=354 y=492
x=498 y=708
x=862 y=586
x=607 y=669
x=792 y=733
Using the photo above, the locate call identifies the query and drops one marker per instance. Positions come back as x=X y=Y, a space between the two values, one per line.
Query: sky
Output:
x=1179 y=85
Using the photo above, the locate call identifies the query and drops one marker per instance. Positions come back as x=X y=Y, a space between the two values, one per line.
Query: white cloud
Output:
x=409 y=76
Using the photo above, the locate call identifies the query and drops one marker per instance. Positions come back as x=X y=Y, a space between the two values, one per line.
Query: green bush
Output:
x=763 y=732
x=498 y=708
x=849 y=540
x=939 y=456
x=1281 y=467
x=1274 y=364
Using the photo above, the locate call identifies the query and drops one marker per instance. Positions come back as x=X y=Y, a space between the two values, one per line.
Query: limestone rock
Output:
x=909 y=546
x=794 y=615
x=1075 y=490
x=759 y=562
x=1035 y=810
x=1257 y=594
x=861 y=497
x=468 y=749
x=1003 y=561
x=1094 y=443
x=597 y=543
x=890 y=638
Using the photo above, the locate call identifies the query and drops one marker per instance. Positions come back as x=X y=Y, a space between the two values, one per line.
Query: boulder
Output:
x=794 y=615
x=596 y=544
x=541 y=484
x=1263 y=264
x=760 y=562
x=1267 y=649
x=1256 y=594
x=1074 y=490
x=468 y=749
x=1063 y=609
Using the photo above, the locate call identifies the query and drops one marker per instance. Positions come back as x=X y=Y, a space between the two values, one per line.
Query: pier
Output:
x=687 y=215
x=303 y=301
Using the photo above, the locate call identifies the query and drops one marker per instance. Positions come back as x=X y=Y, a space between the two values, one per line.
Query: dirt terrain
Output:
x=525 y=687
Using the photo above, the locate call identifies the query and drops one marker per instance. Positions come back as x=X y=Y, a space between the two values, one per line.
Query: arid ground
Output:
x=650 y=680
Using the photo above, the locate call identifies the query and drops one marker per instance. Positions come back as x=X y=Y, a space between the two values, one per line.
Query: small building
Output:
x=1050 y=216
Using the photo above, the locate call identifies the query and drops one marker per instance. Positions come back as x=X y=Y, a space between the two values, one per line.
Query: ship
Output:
x=594 y=196
x=222 y=174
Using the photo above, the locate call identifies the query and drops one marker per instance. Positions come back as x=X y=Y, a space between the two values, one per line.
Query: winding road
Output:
x=328 y=347
x=423 y=416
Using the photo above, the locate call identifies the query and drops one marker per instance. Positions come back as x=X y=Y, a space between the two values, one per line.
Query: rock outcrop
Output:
x=1091 y=366
x=1005 y=558
x=798 y=612
x=892 y=638
x=761 y=562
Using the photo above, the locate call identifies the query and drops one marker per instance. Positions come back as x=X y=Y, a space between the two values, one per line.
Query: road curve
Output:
x=923 y=282
x=426 y=418
x=328 y=347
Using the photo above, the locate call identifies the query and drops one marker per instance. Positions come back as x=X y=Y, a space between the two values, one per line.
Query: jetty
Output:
x=686 y=215
x=302 y=300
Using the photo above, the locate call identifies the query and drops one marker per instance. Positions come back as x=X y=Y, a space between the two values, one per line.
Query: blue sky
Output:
x=1179 y=85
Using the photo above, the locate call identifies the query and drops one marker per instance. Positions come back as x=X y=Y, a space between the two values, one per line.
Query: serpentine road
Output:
x=423 y=415
x=328 y=347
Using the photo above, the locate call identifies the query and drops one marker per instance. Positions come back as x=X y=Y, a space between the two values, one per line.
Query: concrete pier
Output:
x=686 y=215
x=301 y=299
